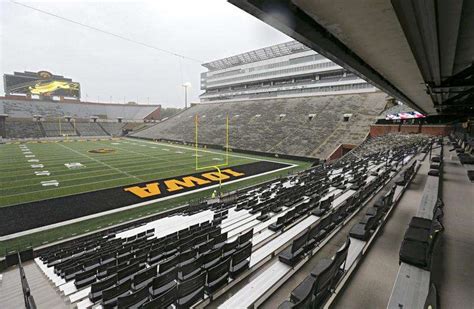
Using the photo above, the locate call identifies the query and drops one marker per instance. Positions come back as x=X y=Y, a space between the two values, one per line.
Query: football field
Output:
x=37 y=171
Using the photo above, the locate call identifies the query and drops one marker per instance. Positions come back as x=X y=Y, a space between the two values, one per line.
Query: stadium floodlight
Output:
x=186 y=86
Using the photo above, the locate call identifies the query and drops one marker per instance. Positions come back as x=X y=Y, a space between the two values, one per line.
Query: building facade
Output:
x=285 y=70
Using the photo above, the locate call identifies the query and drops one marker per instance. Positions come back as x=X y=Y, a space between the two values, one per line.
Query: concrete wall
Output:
x=382 y=129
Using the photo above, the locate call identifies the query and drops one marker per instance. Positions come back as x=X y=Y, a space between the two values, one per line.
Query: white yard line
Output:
x=184 y=166
x=208 y=151
x=93 y=159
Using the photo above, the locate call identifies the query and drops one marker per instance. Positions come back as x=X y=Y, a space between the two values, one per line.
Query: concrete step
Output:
x=43 y=291
x=11 y=293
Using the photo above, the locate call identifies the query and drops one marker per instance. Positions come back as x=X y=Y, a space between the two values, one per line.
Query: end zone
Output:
x=51 y=213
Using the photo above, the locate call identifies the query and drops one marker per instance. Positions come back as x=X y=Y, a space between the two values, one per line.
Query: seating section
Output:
x=90 y=129
x=277 y=125
x=178 y=269
x=112 y=128
x=17 y=128
x=56 y=128
x=53 y=109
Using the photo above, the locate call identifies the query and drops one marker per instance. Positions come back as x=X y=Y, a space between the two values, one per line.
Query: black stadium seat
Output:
x=278 y=224
x=244 y=238
x=190 y=270
x=293 y=253
x=418 y=253
x=229 y=248
x=97 y=287
x=240 y=261
x=85 y=278
x=110 y=295
x=217 y=276
x=163 y=282
x=211 y=259
x=163 y=301
x=144 y=277
x=134 y=300
x=190 y=291
x=302 y=295
x=169 y=264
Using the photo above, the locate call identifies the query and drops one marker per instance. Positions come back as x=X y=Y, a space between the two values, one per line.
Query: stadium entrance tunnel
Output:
x=52 y=211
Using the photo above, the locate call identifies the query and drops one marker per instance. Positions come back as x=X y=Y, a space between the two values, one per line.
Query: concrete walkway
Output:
x=453 y=268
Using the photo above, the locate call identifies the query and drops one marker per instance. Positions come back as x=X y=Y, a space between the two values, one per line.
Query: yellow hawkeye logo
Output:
x=45 y=87
x=102 y=150
x=173 y=185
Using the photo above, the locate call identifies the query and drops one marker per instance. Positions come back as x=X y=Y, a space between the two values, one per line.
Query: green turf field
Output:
x=131 y=161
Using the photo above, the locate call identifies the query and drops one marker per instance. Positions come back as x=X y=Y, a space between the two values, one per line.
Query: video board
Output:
x=42 y=83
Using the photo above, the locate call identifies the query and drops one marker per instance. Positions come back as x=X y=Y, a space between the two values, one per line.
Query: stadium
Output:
x=333 y=170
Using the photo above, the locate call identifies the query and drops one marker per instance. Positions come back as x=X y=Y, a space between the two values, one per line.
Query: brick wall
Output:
x=382 y=129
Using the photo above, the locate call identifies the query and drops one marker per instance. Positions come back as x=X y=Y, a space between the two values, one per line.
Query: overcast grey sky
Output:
x=108 y=66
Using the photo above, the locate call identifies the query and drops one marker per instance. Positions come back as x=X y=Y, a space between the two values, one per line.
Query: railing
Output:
x=28 y=298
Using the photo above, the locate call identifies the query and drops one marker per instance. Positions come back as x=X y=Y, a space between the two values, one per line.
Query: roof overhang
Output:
x=411 y=49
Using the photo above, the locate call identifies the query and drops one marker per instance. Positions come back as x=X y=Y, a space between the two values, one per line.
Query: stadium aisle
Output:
x=454 y=280
x=11 y=294
x=41 y=288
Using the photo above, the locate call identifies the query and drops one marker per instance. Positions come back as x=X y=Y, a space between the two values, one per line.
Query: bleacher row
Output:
x=327 y=275
x=463 y=145
x=246 y=231
x=413 y=287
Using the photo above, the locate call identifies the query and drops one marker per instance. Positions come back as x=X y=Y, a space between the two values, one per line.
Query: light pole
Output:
x=186 y=86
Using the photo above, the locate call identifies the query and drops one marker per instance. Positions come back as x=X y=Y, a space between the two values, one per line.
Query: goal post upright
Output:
x=196 y=143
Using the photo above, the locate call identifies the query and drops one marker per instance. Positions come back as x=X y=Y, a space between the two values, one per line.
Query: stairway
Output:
x=11 y=293
x=41 y=288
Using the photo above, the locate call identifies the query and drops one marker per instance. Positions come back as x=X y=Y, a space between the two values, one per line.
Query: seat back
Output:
x=164 y=279
x=242 y=254
x=127 y=271
x=113 y=292
x=229 y=246
x=103 y=284
x=341 y=255
x=187 y=255
x=190 y=267
x=145 y=275
x=168 y=264
x=325 y=221
x=219 y=270
x=299 y=242
x=133 y=299
x=323 y=279
x=211 y=256
x=191 y=285
x=245 y=237
x=163 y=301
x=313 y=231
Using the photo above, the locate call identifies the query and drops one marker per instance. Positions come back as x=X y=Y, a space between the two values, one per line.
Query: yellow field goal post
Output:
x=196 y=148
